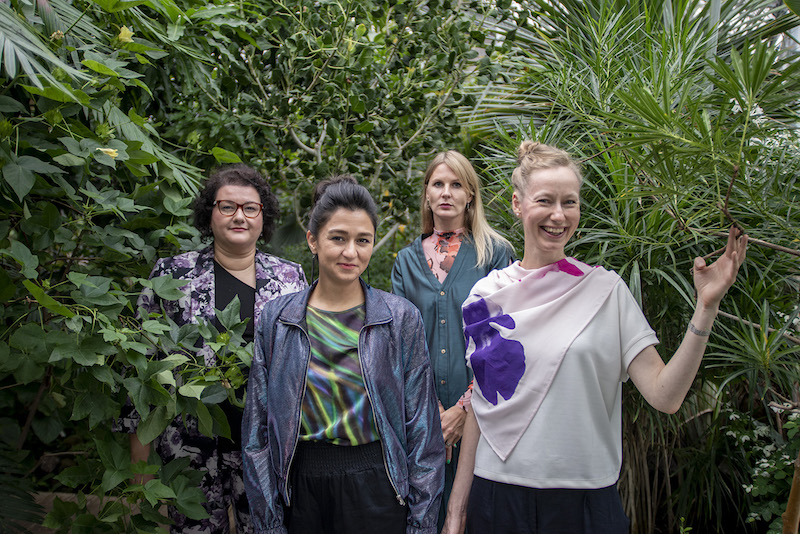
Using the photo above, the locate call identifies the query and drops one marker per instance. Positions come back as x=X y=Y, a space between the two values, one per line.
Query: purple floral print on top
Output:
x=498 y=363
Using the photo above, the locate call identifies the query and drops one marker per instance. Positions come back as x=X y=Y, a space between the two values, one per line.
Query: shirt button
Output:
x=443 y=382
x=442 y=293
x=443 y=321
x=444 y=350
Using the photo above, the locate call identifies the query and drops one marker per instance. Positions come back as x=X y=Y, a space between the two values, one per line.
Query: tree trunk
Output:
x=791 y=517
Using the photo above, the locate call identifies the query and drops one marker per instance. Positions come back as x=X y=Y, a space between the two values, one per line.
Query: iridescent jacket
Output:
x=399 y=382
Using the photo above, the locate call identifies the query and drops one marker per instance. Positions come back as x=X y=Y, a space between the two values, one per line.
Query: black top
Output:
x=226 y=287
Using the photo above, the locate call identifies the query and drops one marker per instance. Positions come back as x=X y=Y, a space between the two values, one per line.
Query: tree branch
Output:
x=385 y=238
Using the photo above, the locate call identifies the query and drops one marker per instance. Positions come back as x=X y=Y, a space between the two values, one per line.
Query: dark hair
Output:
x=237 y=174
x=341 y=191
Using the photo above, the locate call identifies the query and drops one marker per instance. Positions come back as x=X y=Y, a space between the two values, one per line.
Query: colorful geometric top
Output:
x=336 y=408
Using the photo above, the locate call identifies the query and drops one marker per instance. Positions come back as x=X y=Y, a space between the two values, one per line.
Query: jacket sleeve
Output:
x=260 y=481
x=425 y=445
x=398 y=274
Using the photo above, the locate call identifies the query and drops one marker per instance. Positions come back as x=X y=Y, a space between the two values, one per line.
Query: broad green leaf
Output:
x=20 y=179
x=189 y=498
x=116 y=460
x=96 y=407
x=114 y=6
x=155 y=327
x=9 y=105
x=214 y=394
x=38 y=166
x=59 y=95
x=222 y=426
x=174 y=469
x=175 y=31
x=30 y=338
x=205 y=423
x=47 y=428
x=229 y=317
x=165 y=287
x=23 y=256
x=194 y=390
x=46 y=300
x=74 y=476
x=154 y=424
x=155 y=491
x=99 y=68
x=224 y=156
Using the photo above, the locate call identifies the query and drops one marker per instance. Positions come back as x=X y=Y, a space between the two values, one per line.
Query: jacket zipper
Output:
x=299 y=414
x=377 y=424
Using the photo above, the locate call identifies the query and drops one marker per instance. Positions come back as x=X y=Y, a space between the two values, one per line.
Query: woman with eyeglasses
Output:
x=236 y=208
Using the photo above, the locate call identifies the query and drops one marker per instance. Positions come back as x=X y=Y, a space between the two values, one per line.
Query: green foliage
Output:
x=772 y=472
x=110 y=113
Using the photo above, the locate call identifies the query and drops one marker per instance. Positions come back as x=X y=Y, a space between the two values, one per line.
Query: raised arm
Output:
x=665 y=386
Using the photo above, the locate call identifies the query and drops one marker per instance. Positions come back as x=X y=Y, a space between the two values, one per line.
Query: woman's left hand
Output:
x=713 y=281
x=453 y=420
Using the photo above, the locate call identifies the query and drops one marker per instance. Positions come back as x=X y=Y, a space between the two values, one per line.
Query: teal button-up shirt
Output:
x=440 y=305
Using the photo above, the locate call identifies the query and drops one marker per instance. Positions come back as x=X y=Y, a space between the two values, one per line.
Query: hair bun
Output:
x=321 y=187
x=529 y=150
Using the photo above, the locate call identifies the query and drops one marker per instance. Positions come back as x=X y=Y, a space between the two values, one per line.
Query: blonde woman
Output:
x=456 y=249
x=550 y=340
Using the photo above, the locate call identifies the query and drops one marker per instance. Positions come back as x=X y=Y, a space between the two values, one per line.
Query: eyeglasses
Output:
x=251 y=210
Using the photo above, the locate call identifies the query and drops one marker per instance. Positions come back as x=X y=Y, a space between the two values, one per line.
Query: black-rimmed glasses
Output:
x=251 y=210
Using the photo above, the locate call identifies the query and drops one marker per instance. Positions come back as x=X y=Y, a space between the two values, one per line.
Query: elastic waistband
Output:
x=319 y=457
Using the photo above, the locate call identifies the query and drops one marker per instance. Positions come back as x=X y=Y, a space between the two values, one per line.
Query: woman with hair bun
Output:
x=456 y=249
x=341 y=429
x=550 y=341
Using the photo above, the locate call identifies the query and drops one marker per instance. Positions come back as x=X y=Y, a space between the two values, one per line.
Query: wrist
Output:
x=697 y=331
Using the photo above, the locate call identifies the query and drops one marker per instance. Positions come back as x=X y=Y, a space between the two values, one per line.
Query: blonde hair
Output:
x=476 y=227
x=533 y=156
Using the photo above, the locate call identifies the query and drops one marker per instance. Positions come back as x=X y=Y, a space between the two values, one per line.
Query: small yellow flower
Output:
x=125 y=35
x=110 y=152
x=57 y=35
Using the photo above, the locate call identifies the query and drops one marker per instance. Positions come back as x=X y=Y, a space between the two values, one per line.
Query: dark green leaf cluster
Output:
x=111 y=111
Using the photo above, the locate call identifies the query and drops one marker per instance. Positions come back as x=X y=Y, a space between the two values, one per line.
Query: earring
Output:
x=467 y=207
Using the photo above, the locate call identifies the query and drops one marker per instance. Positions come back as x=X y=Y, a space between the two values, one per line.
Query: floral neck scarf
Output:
x=441 y=249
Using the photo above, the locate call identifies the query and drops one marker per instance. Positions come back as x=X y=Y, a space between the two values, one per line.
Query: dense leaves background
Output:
x=111 y=111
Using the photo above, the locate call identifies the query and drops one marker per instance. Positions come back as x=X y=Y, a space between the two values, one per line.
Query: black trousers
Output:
x=342 y=490
x=497 y=508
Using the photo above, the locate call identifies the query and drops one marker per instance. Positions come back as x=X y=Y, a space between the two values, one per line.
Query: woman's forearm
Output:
x=459 y=496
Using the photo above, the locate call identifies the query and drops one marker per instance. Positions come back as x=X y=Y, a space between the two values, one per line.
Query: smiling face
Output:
x=550 y=210
x=447 y=196
x=236 y=234
x=343 y=246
